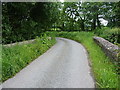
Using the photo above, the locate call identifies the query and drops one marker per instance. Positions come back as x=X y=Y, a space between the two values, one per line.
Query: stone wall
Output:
x=23 y=42
x=20 y=43
x=110 y=49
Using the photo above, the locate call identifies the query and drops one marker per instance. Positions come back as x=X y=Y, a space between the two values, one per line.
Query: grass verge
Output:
x=16 y=57
x=104 y=70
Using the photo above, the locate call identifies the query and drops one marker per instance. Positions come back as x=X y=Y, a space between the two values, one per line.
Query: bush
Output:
x=111 y=35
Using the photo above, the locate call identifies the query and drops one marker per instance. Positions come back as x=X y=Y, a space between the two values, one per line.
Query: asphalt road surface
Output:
x=65 y=65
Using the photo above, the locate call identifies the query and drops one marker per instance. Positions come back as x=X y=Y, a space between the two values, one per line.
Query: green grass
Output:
x=16 y=57
x=104 y=70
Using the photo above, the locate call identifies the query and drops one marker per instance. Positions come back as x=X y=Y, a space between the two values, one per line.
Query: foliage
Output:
x=109 y=34
x=45 y=13
x=117 y=14
x=86 y=15
x=104 y=71
x=23 y=21
x=16 y=57
x=112 y=14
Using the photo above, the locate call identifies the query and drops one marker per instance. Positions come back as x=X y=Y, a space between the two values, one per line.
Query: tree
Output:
x=45 y=13
x=117 y=14
x=26 y=20
x=14 y=15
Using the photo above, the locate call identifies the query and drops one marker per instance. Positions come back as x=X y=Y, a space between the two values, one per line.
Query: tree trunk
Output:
x=93 y=26
x=82 y=26
x=63 y=26
x=98 y=22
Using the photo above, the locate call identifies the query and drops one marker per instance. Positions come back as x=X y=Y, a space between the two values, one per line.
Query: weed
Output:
x=16 y=57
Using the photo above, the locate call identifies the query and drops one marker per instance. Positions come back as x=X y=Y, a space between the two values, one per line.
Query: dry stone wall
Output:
x=20 y=43
x=109 y=48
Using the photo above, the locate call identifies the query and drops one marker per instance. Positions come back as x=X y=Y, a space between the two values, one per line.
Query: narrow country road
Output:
x=65 y=65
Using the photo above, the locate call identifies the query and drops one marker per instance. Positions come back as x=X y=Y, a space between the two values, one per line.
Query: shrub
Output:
x=111 y=35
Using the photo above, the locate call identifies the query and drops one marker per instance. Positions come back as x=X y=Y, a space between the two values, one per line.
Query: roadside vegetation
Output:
x=17 y=57
x=104 y=70
x=110 y=34
x=74 y=20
